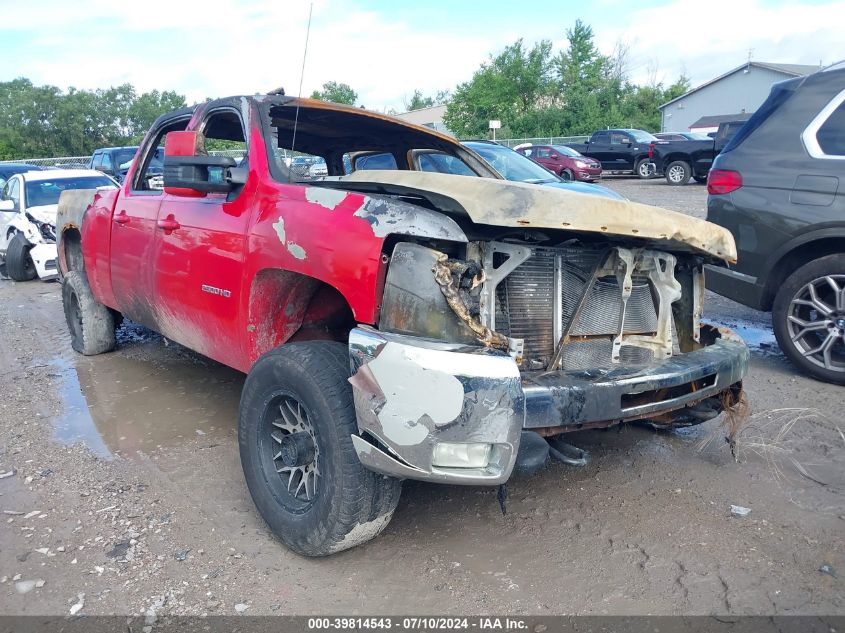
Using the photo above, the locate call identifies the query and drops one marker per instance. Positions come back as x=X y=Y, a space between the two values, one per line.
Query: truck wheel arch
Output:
x=70 y=251
x=287 y=306
x=70 y=215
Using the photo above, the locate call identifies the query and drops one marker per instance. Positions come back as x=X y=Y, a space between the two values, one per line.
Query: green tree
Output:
x=335 y=92
x=417 y=101
x=43 y=121
x=508 y=87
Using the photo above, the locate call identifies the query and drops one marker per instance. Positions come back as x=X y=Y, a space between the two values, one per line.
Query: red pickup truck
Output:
x=399 y=323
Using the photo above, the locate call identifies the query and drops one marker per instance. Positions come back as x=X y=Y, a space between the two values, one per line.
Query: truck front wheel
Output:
x=91 y=324
x=295 y=424
x=643 y=169
x=678 y=172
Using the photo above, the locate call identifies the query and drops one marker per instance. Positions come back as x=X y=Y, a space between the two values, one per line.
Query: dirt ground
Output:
x=126 y=496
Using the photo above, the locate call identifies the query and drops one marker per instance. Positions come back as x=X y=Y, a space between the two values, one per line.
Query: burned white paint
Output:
x=408 y=387
x=391 y=218
x=328 y=198
x=293 y=248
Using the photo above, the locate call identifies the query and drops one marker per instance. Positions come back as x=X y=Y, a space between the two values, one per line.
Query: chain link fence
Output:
x=59 y=161
x=542 y=140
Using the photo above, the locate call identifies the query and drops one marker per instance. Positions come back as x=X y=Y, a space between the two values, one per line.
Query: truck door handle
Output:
x=121 y=218
x=168 y=224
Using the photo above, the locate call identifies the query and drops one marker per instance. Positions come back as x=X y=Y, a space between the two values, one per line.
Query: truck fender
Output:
x=69 y=217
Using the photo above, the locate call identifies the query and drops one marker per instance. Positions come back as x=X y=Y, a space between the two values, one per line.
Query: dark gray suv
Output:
x=779 y=187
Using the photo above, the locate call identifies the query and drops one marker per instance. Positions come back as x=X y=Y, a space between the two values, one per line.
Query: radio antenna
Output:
x=299 y=95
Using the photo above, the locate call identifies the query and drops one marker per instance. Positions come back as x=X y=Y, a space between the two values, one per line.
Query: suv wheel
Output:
x=643 y=169
x=295 y=424
x=678 y=173
x=19 y=265
x=809 y=318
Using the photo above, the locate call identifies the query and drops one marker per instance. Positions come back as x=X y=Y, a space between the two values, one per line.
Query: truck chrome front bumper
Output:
x=416 y=397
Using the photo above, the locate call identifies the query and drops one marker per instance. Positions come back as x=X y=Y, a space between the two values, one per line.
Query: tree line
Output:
x=536 y=92
x=531 y=90
x=44 y=121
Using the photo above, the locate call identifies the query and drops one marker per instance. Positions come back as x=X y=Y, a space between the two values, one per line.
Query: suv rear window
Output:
x=777 y=97
x=831 y=135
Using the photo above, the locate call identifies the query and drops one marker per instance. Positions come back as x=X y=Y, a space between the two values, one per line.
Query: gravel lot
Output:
x=126 y=496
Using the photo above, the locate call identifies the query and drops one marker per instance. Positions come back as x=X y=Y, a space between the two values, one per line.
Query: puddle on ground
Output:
x=118 y=404
x=758 y=336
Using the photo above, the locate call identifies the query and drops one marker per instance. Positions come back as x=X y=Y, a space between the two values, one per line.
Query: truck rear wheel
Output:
x=19 y=265
x=90 y=323
x=295 y=424
x=678 y=172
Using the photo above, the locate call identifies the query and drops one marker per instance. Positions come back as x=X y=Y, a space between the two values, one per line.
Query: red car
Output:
x=564 y=161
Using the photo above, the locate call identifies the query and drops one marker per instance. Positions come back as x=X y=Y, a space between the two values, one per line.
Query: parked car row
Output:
x=28 y=205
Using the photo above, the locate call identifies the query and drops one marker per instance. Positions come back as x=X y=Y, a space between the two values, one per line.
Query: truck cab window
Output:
x=619 y=139
x=224 y=136
x=150 y=176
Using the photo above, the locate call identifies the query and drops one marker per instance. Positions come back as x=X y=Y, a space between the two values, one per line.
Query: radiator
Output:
x=538 y=300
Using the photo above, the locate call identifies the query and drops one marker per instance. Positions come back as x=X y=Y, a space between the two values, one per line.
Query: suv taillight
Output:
x=651 y=150
x=721 y=181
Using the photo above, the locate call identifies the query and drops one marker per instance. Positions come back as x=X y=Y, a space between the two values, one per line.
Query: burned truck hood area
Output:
x=525 y=206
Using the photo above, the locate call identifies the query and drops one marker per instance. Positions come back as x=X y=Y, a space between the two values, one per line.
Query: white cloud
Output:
x=203 y=50
x=705 y=40
x=255 y=46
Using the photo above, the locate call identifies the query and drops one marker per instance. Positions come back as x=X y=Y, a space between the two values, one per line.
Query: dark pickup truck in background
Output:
x=620 y=150
x=680 y=160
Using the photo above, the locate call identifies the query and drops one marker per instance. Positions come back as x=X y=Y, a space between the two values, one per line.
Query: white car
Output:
x=28 y=206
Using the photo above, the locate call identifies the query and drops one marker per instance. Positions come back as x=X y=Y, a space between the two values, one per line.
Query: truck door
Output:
x=133 y=233
x=621 y=155
x=599 y=148
x=200 y=243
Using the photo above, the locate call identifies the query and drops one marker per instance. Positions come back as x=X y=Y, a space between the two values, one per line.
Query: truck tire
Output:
x=90 y=323
x=678 y=172
x=643 y=170
x=818 y=346
x=295 y=423
x=19 y=264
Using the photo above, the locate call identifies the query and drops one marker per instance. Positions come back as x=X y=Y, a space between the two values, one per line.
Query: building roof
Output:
x=790 y=70
x=715 y=120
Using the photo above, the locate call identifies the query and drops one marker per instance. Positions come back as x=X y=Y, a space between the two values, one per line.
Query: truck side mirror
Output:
x=7 y=206
x=190 y=172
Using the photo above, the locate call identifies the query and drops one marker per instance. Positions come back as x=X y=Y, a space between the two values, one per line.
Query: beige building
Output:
x=429 y=117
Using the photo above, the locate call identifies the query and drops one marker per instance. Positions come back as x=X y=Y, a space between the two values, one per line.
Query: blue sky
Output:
x=386 y=49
